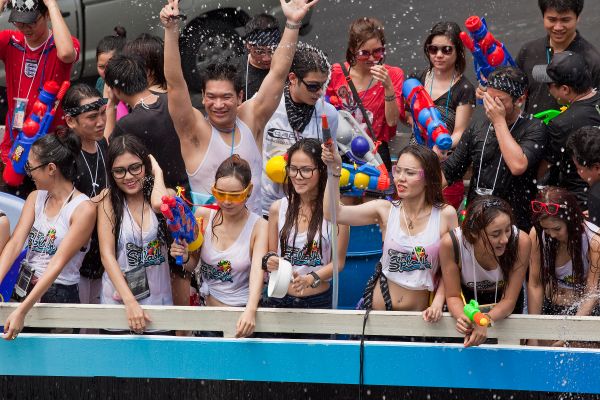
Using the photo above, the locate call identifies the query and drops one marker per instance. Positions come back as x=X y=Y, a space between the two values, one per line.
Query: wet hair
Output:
x=151 y=49
x=361 y=31
x=261 y=22
x=60 y=150
x=113 y=42
x=312 y=148
x=78 y=92
x=584 y=145
x=451 y=30
x=432 y=172
x=118 y=147
x=223 y=71
x=518 y=79
x=561 y=6
x=309 y=59
x=238 y=168
x=127 y=73
x=480 y=213
x=573 y=217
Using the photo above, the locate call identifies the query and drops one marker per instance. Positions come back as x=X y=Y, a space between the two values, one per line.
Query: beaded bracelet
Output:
x=291 y=25
x=390 y=98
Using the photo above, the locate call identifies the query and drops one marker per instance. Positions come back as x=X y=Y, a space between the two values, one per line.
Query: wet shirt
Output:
x=539 y=52
x=518 y=191
x=594 y=203
x=253 y=79
x=563 y=173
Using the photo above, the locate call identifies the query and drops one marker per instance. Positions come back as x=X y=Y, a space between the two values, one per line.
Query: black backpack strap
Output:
x=455 y=247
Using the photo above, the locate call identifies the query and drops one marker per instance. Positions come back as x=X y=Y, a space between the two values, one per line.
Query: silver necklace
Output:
x=94 y=177
x=418 y=254
x=142 y=101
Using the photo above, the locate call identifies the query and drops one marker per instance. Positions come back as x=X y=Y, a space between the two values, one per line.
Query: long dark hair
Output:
x=432 y=172
x=117 y=147
x=238 y=168
x=452 y=31
x=575 y=221
x=480 y=213
x=312 y=148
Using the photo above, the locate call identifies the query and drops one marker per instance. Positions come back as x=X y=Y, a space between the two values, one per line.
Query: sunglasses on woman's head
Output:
x=233 y=197
x=363 y=55
x=446 y=50
x=548 y=208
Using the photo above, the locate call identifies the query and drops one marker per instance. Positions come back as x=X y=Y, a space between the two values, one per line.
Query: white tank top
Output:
x=227 y=272
x=473 y=275
x=411 y=261
x=133 y=251
x=279 y=137
x=564 y=273
x=202 y=180
x=297 y=253
x=47 y=234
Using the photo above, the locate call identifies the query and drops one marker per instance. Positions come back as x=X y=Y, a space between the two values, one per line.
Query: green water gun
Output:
x=549 y=115
x=472 y=311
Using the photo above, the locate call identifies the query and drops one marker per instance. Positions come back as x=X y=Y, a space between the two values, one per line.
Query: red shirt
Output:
x=373 y=100
x=33 y=68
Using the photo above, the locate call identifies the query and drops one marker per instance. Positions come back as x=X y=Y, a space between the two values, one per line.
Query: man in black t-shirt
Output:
x=570 y=84
x=149 y=119
x=584 y=144
x=560 y=21
x=262 y=36
x=504 y=149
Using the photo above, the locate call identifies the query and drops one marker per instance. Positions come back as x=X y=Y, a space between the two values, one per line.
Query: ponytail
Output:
x=61 y=150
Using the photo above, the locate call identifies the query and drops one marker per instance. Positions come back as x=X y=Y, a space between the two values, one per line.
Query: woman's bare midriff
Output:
x=323 y=287
x=403 y=299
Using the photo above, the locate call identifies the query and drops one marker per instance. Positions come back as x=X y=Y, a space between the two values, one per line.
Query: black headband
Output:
x=516 y=88
x=75 y=111
x=267 y=37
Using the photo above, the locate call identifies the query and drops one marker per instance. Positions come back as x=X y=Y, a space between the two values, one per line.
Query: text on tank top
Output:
x=305 y=258
x=411 y=261
x=227 y=272
x=47 y=234
x=202 y=180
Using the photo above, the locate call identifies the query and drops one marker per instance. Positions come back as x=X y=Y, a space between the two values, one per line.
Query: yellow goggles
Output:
x=232 y=197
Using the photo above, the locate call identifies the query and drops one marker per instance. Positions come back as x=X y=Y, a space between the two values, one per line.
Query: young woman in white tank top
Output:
x=235 y=240
x=57 y=222
x=299 y=233
x=411 y=231
x=564 y=271
x=133 y=243
x=485 y=260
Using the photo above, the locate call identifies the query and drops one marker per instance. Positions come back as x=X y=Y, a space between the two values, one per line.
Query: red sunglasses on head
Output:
x=363 y=55
x=548 y=208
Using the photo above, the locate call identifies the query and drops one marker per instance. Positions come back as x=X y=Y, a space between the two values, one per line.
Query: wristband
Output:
x=390 y=98
x=291 y=25
x=187 y=259
x=265 y=259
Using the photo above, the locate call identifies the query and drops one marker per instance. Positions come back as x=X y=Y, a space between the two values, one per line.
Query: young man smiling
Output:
x=560 y=22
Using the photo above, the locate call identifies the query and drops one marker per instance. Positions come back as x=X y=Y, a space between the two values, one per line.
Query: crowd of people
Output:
x=95 y=234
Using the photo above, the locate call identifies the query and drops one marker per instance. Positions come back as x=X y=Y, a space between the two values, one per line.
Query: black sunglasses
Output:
x=312 y=87
x=446 y=50
x=133 y=169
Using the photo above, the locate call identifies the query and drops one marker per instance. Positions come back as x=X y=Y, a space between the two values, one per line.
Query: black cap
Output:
x=566 y=68
x=26 y=11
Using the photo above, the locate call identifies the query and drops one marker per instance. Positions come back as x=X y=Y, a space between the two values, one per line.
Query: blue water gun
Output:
x=428 y=127
x=488 y=52
x=356 y=179
x=182 y=223
x=35 y=126
x=7 y=286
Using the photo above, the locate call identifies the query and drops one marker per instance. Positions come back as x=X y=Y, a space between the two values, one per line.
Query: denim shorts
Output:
x=58 y=293
x=322 y=300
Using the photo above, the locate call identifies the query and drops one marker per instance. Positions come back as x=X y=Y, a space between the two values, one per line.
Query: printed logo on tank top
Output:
x=568 y=280
x=417 y=259
x=220 y=272
x=485 y=285
x=30 y=67
x=280 y=136
x=150 y=255
x=42 y=243
x=304 y=256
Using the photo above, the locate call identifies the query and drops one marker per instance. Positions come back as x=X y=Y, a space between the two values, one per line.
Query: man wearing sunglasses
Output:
x=32 y=55
x=503 y=150
x=232 y=126
x=298 y=115
x=262 y=37
x=569 y=82
x=560 y=18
